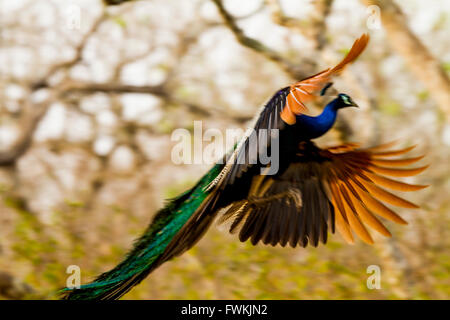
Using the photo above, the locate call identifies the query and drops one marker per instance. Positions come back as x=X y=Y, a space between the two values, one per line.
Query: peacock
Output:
x=314 y=190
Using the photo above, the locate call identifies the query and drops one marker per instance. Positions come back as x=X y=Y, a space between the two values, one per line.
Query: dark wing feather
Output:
x=289 y=208
x=242 y=158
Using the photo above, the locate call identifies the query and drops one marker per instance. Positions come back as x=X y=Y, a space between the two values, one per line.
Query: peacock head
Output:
x=344 y=101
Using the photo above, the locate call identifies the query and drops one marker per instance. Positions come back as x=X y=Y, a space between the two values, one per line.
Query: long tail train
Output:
x=155 y=246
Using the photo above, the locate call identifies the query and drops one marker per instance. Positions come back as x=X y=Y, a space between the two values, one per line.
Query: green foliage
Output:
x=423 y=95
x=220 y=267
x=391 y=108
x=120 y=21
x=446 y=66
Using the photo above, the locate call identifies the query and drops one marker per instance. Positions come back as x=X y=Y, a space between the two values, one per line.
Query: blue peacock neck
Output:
x=314 y=127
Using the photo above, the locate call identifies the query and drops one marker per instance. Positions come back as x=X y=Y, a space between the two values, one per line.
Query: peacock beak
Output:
x=353 y=104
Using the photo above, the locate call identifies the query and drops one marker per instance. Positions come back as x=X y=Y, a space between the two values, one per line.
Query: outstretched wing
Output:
x=304 y=91
x=246 y=152
x=340 y=186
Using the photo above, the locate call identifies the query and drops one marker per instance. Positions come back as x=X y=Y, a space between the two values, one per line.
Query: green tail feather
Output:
x=142 y=259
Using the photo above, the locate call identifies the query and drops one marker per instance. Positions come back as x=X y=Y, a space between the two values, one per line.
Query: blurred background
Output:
x=89 y=97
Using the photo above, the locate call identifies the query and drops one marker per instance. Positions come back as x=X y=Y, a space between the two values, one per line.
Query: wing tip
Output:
x=386 y=233
x=355 y=51
x=368 y=241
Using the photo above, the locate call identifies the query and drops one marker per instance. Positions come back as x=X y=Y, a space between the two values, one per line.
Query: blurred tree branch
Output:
x=92 y=87
x=424 y=66
x=35 y=112
x=158 y=90
x=291 y=69
x=116 y=2
x=42 y=83
x=313 y=29
x=33 y=115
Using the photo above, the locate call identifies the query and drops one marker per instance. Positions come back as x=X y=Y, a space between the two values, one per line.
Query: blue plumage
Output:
x=314 y=127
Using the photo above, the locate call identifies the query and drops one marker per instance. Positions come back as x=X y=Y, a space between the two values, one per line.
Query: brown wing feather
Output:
x=333 y=187
x=356 y=178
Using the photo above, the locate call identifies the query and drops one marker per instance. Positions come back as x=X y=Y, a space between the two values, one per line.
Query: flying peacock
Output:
x=313 y=191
